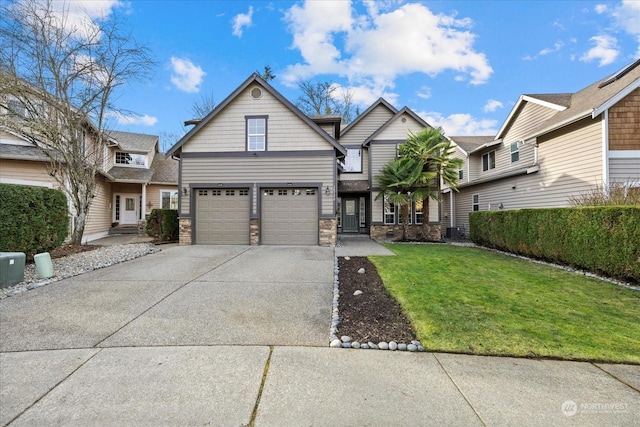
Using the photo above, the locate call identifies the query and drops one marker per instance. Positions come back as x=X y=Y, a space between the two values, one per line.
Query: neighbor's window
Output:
x=475 y=202
x=418 y=211
x=353 y=160
x=489 y=161
x=169 y=199
x=130 y=159
x=256 y=133
x=460 y=174
x=515 y=152
x=389 y=212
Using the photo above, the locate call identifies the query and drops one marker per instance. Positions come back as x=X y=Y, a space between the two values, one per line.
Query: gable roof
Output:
x=594 y=99
x=404 y=110
x=556 y=101
x=469 y=144
x=130 y=141
x=380 y=101
x=165 y=170
x=255 y=78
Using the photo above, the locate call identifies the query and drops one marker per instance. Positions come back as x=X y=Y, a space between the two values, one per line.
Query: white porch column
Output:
x=144 y=201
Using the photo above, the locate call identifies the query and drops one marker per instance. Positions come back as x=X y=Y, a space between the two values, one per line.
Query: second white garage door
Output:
x=222 y=216
x=289 y=216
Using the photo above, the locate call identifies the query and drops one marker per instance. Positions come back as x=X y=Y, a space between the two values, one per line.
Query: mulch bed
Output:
x=65 y=250
x=374 y=315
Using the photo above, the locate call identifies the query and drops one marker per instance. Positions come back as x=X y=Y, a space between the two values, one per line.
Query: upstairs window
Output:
x=475 y=202
x=353 y=160
x=460 y=174
x=515 y=152
x=130 y=159
x=489 y=161
x=256 y=133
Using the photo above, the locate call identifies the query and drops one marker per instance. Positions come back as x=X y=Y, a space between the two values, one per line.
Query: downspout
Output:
x=451 y=212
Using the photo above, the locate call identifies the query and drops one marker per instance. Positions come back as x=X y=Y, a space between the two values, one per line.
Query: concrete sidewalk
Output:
x=238 y=335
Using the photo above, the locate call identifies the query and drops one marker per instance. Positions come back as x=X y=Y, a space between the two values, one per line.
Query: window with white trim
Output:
x=169 y=199
x=475 y=202
x=515 y=152
x=130 y=159
x=489 y=161
x=353 y=160
x=389 y=211
x=460 y=174
x=256 y=133
x=417 y=207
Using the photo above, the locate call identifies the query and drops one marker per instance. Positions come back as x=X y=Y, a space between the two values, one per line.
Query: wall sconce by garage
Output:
x=327 y=190
x=185 y=191
x=500 y=205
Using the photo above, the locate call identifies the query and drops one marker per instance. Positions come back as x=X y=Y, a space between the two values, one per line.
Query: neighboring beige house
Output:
x=256 y=170
x=550 y=148
x=134 y=179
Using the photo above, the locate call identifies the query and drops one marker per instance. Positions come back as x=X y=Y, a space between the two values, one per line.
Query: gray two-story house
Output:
x=256 y=170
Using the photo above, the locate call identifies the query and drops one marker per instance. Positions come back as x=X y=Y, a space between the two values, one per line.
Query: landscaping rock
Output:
x=402 y=346
x=336 y=343
x=361 y=271
x=358 y=292
x=383 y=345
x=345 y=338
x=412 y=347
x=355 y=344
x=393 y=346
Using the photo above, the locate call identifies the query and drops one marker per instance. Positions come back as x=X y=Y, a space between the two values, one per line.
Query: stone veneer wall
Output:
x=254 y=226
x=185 y=231
x=328 y=232
x=414 y=232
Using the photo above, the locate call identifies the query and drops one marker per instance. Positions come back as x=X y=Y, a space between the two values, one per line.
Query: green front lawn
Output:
x=469 y=300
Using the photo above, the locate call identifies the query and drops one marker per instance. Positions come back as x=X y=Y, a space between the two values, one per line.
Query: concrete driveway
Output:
x=195 y=295
x=238 y=336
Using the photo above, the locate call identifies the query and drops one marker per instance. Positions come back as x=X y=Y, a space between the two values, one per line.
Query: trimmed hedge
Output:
x=604 y=240
x=32 y=219
x=163 y=225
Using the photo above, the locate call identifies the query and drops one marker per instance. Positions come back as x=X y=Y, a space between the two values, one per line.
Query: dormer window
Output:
x=131 y=159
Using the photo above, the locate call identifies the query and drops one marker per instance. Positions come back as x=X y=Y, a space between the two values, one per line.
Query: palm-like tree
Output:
x=434 y=152
x=400 y=183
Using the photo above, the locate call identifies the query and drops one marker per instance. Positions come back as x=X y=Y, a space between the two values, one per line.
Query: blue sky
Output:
x=459 y=64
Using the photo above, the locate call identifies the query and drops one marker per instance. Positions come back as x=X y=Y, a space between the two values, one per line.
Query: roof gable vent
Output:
x=256 y=93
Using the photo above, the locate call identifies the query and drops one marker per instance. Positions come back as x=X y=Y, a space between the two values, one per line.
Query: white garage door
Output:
x=222 y=216
x=289 y=216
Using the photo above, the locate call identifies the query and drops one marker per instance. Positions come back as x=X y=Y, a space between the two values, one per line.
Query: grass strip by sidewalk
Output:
x=470 y=300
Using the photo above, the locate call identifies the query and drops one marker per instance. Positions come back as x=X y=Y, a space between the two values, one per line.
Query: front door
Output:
x=129 y=209
x=350 y=217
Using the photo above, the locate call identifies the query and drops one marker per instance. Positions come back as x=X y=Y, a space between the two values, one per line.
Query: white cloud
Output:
x=186 y=75
x=374 y=48
x=492 y=105
x=134 y=119
x=626 y=16
x=242 y=20
x=424 y=93
x=79 y=16
x=600 y=8
x=460 y=124
x=556 y=47
x=605 y=50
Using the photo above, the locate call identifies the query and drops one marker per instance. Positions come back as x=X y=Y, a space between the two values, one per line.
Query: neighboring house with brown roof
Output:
x=552 y=147
x=134 y=178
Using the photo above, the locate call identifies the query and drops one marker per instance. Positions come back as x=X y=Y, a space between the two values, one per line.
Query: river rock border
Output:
x=345 y=341
x=80 y=263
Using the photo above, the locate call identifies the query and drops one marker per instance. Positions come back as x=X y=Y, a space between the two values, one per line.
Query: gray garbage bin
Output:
x=11 y=268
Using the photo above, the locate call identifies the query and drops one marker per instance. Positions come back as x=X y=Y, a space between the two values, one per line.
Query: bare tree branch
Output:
x=58 y=84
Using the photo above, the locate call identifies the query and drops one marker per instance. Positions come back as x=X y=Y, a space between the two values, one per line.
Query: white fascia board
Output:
x=616 y=98
x=543 y=103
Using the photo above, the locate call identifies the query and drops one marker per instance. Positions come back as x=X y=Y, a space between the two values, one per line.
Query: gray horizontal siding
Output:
x=367 y=126
x=624 y=170
x=259 y=170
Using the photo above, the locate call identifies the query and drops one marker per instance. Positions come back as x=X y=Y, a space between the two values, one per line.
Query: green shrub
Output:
x=32 y=219
x=604 y=240
x=162 y=225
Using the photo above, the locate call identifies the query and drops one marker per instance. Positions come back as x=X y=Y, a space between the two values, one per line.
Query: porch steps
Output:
x=124 y=229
